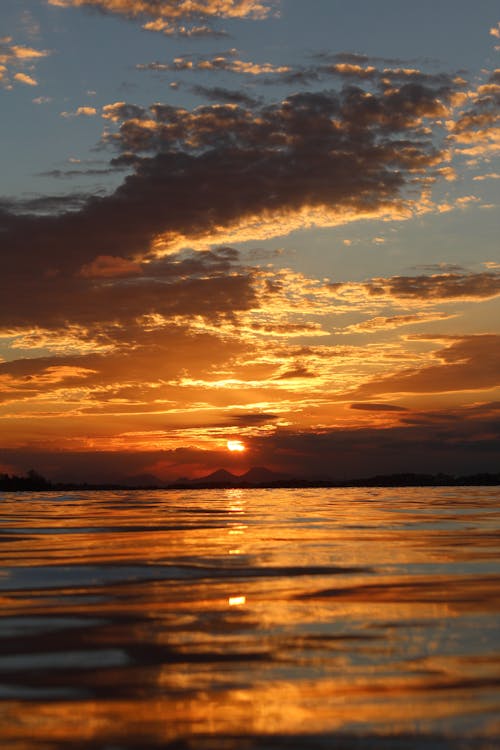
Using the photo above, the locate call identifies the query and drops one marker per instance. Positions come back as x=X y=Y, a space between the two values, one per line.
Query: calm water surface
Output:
x=250 y=619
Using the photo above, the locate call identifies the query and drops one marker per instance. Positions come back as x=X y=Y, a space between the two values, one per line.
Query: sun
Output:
x=235 y=446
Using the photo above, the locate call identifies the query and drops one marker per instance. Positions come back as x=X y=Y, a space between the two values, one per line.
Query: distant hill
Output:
x=255 y=476
x=221 y=476
x=145 y=480
x=259 y=476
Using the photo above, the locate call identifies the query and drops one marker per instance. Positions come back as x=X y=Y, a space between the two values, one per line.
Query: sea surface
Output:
x=250 y=619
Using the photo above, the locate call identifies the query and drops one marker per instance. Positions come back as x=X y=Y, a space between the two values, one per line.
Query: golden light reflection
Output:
x=343 y=601
x=236 y=601
x=235 y=446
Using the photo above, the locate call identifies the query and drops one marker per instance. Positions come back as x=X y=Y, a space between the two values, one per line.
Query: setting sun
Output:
x=235 y=445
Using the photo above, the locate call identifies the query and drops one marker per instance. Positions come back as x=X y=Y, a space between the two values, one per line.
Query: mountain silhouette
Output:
x=221 y=476
x=255 y=476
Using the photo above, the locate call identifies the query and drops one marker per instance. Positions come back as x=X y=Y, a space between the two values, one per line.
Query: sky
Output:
x=268 y=222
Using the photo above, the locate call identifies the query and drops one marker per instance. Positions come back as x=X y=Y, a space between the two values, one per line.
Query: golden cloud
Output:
x=13 y=60
x=169 y=16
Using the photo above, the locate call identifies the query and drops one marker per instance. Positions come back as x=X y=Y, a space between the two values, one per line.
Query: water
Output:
x=250 y=619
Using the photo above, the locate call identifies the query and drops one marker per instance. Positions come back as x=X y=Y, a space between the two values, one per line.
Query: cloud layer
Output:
x=142 y=328
x=185 y=18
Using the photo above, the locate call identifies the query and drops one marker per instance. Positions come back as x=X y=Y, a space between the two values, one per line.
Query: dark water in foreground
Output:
x=250 y=619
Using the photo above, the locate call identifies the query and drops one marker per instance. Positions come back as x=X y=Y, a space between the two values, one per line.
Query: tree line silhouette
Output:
x=35 y=482
x=32 y=481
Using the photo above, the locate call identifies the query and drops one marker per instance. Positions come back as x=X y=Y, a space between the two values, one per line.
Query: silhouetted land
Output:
x=34 y=482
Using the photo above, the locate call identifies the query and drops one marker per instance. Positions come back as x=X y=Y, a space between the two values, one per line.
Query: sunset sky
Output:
x=272 y=222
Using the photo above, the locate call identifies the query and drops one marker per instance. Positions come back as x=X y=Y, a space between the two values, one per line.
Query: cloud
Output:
x=14 y=58
x=489 y=176
x=459 y=441
x=222 y=95
x=175 y=9
x=251 y=418
x=39 y=206
x=169 y=29
x=170 y=16
x=337 y=117
x=447 y=286
x=298 y=371
x=359 y=69
x=222 y=171
x=69 y=173
x=222 y=62
x=109 y=266
x=362 y=71
x=81 y=112
x=371 y=406
x=24 y=78
x=475 y=131
x=432 y=288
x=468 y=363
x=395 y=321
x=302 y=150
x=115 y=291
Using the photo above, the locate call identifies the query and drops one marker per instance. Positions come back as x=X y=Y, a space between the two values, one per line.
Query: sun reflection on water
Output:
x=135 y=618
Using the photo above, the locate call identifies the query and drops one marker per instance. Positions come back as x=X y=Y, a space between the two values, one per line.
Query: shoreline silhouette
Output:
x=255 y=478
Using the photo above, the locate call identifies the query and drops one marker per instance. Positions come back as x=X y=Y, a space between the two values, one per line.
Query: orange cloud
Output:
x=466 y=363
x=24 y=78
x=495 y=31
x=395 y=321
x=175 y=8
x=167 y=16
x=432 y=288
x=15 y=56
x=81 y=111
x=222 y=62
x=109 y=266
x=475 y=130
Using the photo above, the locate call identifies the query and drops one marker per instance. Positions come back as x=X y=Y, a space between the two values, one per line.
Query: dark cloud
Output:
x=222 y=62
x=251 y=418
x=299 y=371
x=461 y=441
x=355 y=58
x=466 y=363
x=219 y=166
x=475 y=131
x=377 y=407
x=380 y=75
x=351 y=121
x=434 y=287
x=438 y=286
x=111 y=291
x=441 y=268
x=219 y=94
x=46 y=205
x=193 y=32
x=484 y=111
x=70 y=173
